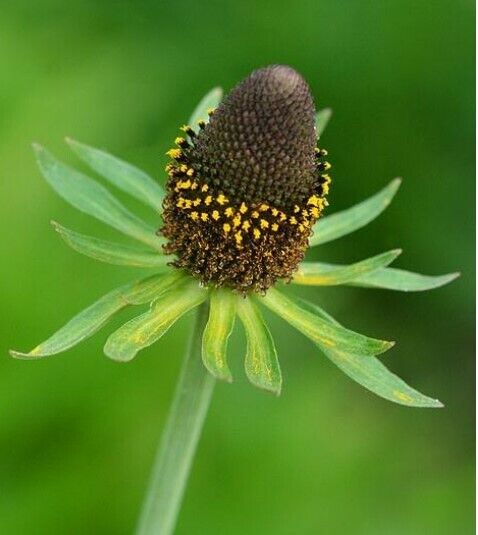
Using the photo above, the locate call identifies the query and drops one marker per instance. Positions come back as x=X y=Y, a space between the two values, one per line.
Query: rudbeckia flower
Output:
x=247 y=186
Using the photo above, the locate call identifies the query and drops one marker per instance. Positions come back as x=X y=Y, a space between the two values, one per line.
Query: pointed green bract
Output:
x=261 y=363
x=321 y=120
x=317 y=274
x=121 y=174
x=342 y=223
x=320 y=331
x=90 y=320
x=210 y=101
x=90 y=197
x=372 y=374
x=150 y=288
x=111 y=252
x=144 y=330
x=222 y=313
x=402 y=281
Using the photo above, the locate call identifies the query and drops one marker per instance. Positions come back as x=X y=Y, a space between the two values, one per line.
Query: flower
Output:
x=244 y=194
x=246 y=187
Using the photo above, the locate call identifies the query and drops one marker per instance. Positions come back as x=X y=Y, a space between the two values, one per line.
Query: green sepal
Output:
x=210 y=101
x=144 y=330
x=222 y=314
x=322 y=332
x=91 y=319
x=261 y=362
x=111 y=252
x=121 y=174
x=372 y=374
x=342 y=223
x=322 y=118
x=90 y=197
x=318 y=274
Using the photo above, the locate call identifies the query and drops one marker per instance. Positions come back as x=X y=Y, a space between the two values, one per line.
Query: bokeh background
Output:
x=78 y=432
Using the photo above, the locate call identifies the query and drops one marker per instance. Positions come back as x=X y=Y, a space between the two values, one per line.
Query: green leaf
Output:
x=222 y=313
x=319 y=331
x=317 y=274
x=111 y=252
x=90 y=320
x=142 y=331
x=342 y=223
x=210 y=101
x=403 y=281
x=261 y=363
x=321 y=120
x=121 y=174
x=86 y=195
x=372 y=374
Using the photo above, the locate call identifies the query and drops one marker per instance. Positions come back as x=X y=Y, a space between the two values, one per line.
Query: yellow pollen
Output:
x=179 y=140
x=186 y=184
x=238 y=237
x=180 y=202
x=314 y=212
x=174 y=153
x=296 y=209
x=215 y=215
x=226 y=227
x=292 y=220
x=183 y=168
x=314 y=200
x=194 y=216
x=264 y=223
x=243 y=208
x=282 y=216
x=229 y=212
x=197 y=201
x=264 y=207
x=221 y=199
x=204 y=188
x=187 y=203
x=274 y=212
x=246 y=225
x=327 y=166
x=274 y=227
x=190 y=172
x=204 y=216
x=255 y=214
x=210 y=111
x=257 y=233
x=305 y=213
x=208 y=200
x=236 y=221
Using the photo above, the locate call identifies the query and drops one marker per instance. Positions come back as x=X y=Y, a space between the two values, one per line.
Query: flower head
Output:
x=245 y=190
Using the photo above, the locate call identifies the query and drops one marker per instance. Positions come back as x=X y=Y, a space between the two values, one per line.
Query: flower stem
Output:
x=180 y=437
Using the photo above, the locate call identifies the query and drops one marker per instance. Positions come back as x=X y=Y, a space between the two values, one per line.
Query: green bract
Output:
x=170 y=292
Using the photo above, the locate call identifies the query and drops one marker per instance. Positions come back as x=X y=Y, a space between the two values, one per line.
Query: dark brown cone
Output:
x=259 y=144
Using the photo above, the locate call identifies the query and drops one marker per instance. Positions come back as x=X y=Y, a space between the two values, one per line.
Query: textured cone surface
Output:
x=259 y=144
x=245 y=191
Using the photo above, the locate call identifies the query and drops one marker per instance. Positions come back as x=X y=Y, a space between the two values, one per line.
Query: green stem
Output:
x=180 y=437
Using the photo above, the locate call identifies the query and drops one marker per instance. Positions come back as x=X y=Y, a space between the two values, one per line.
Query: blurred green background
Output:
x=78 y=432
